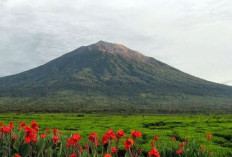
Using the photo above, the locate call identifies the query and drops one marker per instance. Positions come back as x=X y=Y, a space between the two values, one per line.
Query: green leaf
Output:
x=41 y=146
x=49 y=152
x=25 y=149
x=60 y=152
x=16 y=145
x=4 y=151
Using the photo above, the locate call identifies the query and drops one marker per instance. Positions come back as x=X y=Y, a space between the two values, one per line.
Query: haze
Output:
x=191 y=35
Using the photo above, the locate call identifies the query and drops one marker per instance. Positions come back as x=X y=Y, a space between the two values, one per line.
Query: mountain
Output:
x=108 y=77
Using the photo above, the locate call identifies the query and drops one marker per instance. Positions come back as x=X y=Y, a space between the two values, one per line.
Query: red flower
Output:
x=73 y=155
x=27 y=140
x=104 y=139
x=156 y=137
x=154 y=153
x=47 y=130
x=34 y=125
x=1 y=123
x=14 y=137
x=113 y=150
x=136 y=134
x=17 y=155
x=43 y=135
x=109 y=135
x=152 y=145
x=181 y=144
x=5 y=129
x=120 y=134
x=75 y=138
x=11 y=125
x=55 y=131
x=30 y=135
x=209 y=136
x=107 y=155
x=174 y=138
x=55 y=139
x=179 y=151
x=81 y=150
x=128 y=143
x=93 y=138
x=22 y=124
x=203 y=148
x=68 y=142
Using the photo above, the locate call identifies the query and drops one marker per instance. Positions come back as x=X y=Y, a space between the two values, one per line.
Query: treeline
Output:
x=143 y=104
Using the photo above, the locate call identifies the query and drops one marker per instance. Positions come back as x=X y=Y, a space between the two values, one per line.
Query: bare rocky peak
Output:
x=118 y=49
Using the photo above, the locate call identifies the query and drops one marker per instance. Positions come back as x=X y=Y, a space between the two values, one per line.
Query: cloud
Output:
x=192 y=35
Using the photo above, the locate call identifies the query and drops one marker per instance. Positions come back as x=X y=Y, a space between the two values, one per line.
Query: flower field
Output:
x=99 y=135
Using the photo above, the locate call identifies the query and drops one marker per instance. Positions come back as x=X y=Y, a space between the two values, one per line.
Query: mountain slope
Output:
x=112 y=72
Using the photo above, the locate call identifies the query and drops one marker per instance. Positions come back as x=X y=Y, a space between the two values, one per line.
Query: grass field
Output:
x=194 y=127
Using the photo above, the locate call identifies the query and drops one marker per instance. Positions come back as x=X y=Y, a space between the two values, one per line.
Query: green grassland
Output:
x=194 y=127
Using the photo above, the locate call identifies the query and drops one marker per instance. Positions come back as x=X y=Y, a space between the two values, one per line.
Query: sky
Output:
x=191 y=35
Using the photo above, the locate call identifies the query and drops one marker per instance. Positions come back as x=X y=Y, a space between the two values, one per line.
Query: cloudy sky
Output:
x=194 y=36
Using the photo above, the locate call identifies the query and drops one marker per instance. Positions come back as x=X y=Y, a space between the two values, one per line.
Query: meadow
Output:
x=192 y=127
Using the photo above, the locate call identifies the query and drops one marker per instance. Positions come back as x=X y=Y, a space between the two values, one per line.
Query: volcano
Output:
x=109 y=77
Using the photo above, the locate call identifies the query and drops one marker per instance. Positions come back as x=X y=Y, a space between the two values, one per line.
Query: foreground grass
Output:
x=194 y=127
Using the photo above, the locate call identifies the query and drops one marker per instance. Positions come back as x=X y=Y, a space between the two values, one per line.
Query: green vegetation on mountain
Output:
x=110 y=77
